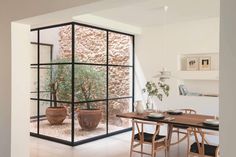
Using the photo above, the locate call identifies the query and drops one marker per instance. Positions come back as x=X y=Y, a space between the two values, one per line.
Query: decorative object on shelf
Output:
x=205 y=63
x=139 y=107
x=163 y=75
x=202 y=81
x=184 y=91
x=155 y=90
x=192 y=63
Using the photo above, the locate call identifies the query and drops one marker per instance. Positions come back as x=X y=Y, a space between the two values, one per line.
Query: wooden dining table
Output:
x=188 y=120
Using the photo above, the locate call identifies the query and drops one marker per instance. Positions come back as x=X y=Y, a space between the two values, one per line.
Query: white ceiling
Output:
x=139 y=13
x=151 y=12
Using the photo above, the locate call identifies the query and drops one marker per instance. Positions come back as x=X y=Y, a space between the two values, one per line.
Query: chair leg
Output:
x=141 y=149
x=188 y=142
x=132 y=144
x=153 y=147
x=155 y=154
x=178 y=134
x=131 y=148
x=166 y=148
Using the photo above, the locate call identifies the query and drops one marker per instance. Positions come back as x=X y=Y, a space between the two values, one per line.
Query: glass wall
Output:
x=81 y=77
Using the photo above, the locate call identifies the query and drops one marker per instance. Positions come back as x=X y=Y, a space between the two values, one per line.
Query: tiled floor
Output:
x=114 y=146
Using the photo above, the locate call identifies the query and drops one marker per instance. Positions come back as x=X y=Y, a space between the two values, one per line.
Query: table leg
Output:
x=169 y=135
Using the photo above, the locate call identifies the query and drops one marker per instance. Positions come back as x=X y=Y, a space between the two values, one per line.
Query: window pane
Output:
x=93 y=77
x=117 y=107
x=55 y=80
x=90 y=45
x=34 y=82
x=34 y=47
x=50 y=116
x=120 y=49
x=33 y=116
x=56 y=44
x=90 y=82
x=100 y=119
x=120 y=82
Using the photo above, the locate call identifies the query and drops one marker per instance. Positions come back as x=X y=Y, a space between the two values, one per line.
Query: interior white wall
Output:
x=159 y=47
x=140 y=80
x=12 y=11
x=227 y=78
x=20 y=84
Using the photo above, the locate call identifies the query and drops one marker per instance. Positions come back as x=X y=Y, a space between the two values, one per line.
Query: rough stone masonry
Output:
x=90 y=47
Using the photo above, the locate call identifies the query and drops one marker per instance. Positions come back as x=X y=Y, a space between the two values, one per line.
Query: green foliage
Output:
x=89 y=83
x=58 y=81
x=63 y=78
x=157 y=90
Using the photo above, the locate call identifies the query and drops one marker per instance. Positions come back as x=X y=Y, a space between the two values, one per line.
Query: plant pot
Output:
x=56 y=115
x=89 y=119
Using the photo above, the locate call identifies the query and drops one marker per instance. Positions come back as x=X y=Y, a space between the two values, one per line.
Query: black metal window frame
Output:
x=72 y=102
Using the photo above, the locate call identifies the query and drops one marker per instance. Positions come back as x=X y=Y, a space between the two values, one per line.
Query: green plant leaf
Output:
x=157 y=90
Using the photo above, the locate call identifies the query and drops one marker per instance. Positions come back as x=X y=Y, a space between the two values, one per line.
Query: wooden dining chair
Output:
x=143 y=134
x=180 y=129
x=201 y=147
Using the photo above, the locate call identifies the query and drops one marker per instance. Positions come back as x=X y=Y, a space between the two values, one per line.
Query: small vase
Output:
x=139 y=107
x=150 y=103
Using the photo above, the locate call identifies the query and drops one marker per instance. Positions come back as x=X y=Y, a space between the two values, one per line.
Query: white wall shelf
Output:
x=198 y=75
x=204 y=82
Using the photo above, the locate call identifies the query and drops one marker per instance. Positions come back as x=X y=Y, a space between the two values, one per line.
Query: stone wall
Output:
x=120 y=49
x=90 y=47
x=65 y=41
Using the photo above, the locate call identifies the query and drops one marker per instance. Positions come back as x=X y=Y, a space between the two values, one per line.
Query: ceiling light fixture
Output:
x=164 y=73
x=166 y=8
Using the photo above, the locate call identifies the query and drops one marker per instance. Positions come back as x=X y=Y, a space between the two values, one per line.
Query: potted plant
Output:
x=89 y=85
x=159 y=90
x=58 y=82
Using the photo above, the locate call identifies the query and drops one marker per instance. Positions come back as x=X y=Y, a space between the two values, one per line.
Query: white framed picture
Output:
x=192 y=63
x=205 y=63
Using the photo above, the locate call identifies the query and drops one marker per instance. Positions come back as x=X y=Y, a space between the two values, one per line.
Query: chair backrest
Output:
x=139 y=126
x=200 y=139
x=189 y=111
